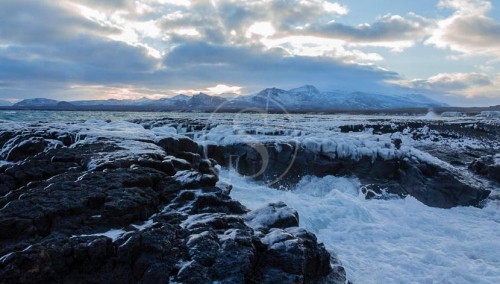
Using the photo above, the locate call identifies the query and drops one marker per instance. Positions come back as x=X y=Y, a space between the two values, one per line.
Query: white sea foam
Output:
x=389 y=241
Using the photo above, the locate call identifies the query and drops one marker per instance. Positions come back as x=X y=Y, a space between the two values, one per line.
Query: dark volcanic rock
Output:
x=224 y=247
x=27 y=148
x=98 y=213
x=438 y=187
x=487 y=166
x=431 y=184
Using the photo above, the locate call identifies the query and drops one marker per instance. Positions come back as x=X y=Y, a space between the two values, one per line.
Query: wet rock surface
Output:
x=84 y=208
x=488 y=166
x=433 y=184
x=441 y=164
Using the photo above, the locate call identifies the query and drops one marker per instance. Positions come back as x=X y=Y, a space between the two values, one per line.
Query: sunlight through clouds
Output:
x=264 y=29
x=469 y=85
x=248 y=45
x=469 y=31
x=219 y=90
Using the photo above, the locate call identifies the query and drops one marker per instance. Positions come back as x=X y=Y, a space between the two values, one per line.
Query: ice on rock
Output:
x=114 y=130
x=192 y=177
x=453 y=114
x=276 y=236
x=199 y=219
x=312 y=145
x=164 y=130
x=272 y=215
x=113 y=234
x=332 y=144
x=489 y=114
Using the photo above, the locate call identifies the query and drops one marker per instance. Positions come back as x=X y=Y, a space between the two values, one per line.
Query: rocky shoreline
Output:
x=78 y=211
x=138 y=202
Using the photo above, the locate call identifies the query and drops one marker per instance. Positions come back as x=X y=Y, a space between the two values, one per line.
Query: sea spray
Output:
x=388 y=241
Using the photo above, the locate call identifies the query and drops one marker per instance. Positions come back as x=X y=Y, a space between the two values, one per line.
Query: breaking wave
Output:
x=388 y=241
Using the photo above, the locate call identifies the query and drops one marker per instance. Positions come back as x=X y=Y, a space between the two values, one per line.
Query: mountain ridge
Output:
x=305 y=97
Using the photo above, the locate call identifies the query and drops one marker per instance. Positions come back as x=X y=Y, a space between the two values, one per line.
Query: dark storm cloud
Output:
x=40 y=21
x=385 y=29
x=86 y=59
x=48 y=46
x=46 y=41
x=89 y=51
x=203 y=63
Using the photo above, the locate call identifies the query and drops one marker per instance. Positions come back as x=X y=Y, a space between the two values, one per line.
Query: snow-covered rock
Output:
x=273 y=215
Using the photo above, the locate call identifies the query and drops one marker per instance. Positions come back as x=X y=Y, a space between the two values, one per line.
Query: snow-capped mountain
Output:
x=418 y=98
x=113 y=102
x=308 y=97
x=37 y=102
x=205 y=101
x=179 y=100
x=304 y=98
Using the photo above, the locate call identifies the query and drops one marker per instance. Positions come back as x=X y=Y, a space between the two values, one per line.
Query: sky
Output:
x=70 y=50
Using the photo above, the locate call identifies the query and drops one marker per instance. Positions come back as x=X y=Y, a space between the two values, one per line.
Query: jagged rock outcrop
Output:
x=488 y=166
x=136 y=210
x=432 y=184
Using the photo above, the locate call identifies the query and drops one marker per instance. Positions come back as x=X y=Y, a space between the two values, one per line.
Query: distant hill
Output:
x=304 y=98
x=113 y=102
x=308 y=97
x=176 y=101
x=65 y=105
x=38 y=102
x=205 y=101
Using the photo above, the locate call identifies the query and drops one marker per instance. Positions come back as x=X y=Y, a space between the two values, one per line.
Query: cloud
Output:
x=392 y=31
x=469 y=31
x=228 y=21
x=115 y=91
x=108 y=4
x=468 y=85
x=43 y=22
x=467 y=6
x=282 y=13
x=159 y=46
x=202 y=63
x=219 y=90
x=311 y=18
x=315 y=46
x=135 y=48
x=78 y=59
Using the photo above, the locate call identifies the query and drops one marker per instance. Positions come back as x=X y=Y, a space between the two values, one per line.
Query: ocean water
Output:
x=74 y=116
x=388 y=241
